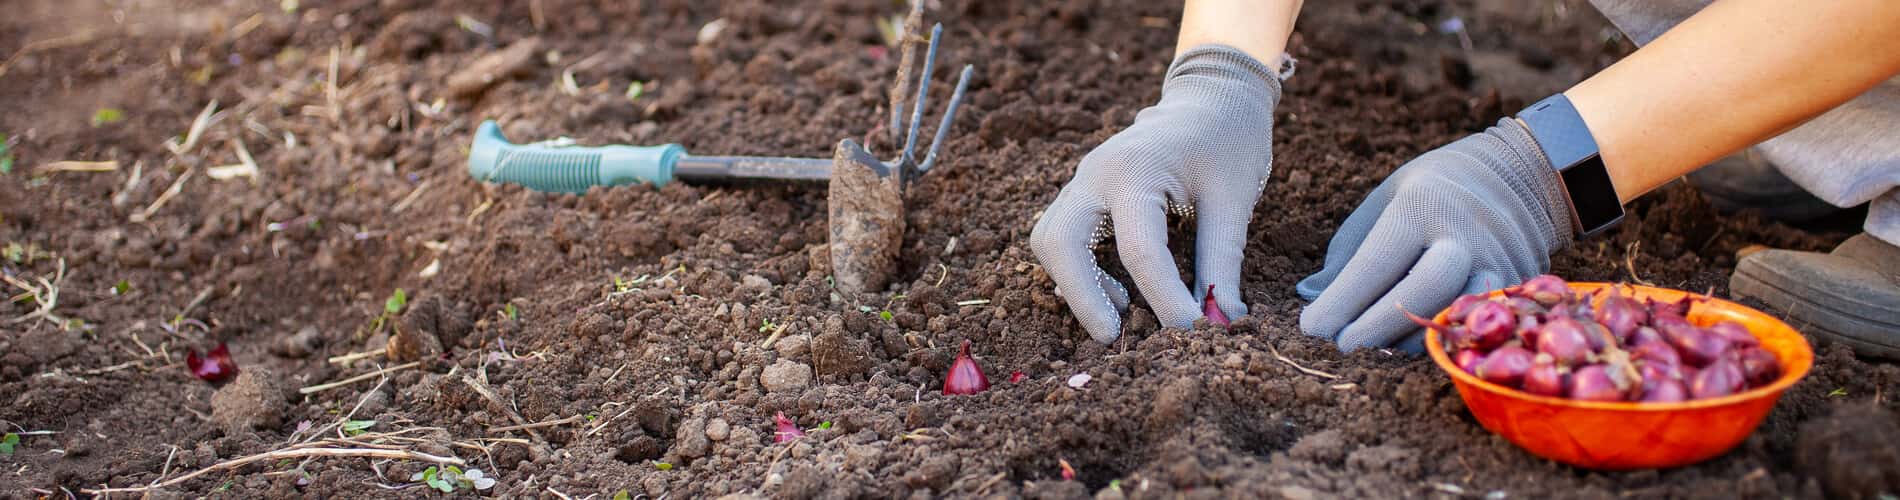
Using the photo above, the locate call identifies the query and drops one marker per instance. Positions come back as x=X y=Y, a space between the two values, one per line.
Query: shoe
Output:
x=1747 y=181
x=1850 y=295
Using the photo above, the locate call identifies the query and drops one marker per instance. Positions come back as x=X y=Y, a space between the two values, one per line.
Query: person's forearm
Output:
x=1733 y=75
x=1258 y=27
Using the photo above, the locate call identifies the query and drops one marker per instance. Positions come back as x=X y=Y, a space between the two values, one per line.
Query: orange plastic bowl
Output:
x=1628 y=435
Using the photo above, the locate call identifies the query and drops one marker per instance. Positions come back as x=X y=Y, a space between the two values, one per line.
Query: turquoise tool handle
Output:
x=567 y=169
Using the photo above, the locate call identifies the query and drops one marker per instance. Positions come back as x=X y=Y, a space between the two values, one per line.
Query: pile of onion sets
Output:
x=1542 y=338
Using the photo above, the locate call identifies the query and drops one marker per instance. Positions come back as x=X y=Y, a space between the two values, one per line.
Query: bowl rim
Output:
x=1436 y=348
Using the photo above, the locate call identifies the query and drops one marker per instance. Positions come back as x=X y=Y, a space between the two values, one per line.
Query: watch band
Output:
x=1566 y=141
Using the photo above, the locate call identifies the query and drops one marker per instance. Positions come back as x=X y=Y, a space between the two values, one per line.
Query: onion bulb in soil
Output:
x=215 y=367
x=1542 y=338
x=787 y=429
x=965 y=376
x=1212 y=310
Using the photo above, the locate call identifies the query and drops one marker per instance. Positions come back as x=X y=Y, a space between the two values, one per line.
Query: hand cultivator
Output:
x=866 y=205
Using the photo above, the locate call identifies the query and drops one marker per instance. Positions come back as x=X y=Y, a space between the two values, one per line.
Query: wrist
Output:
x=1259 y=28
x=1564 y=141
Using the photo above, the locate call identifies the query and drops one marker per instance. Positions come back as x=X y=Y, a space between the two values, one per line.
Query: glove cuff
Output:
x=1225 y=74
x=1536 y=181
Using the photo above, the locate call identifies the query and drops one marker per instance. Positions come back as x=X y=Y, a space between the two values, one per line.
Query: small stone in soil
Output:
x=255 y=400
x=786 y=375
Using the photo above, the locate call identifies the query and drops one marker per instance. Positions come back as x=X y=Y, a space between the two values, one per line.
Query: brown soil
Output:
x=642 y=311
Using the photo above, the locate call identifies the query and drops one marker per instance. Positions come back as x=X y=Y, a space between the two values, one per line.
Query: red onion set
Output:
x=1541 y=338
x=965 y=376
x=215 y=367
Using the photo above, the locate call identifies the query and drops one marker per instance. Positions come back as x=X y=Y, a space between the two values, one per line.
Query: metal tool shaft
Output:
x=708 y=168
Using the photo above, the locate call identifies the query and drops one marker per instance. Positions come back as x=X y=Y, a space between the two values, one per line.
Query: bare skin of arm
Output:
x=1258 y=27
x=1737 y=73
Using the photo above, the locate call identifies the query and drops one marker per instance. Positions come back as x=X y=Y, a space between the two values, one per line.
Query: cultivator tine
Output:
x=907 y=54
x=949 y=114
x=923 y=96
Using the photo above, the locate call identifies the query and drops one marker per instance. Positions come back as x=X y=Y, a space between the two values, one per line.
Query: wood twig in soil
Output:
x=489 y=394
x=167 y=469
x=609 y=420
x=284 y=454
x=354 y=356
x=45 y=296
x=1297 y=366
x=987 y=483
x=78 y=166
x=359 y=378
x=773 y=339
x=131 y=183
x=80 y=38
x=1629 y=260
x=538 y=425
x=163 y=198
x=198 y=126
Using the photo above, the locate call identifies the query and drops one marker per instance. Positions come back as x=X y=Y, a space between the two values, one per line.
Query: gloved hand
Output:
x=1205 y=150
x=1479 y=214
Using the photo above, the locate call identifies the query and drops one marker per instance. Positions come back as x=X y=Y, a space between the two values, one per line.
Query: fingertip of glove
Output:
x=1316 y=324
x=1310 y=288
x=1107 y=337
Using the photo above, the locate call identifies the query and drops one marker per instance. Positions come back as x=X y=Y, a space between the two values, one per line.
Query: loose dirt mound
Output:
x=637 y=319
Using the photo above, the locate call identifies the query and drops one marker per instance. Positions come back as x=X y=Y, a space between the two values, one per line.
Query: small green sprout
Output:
x=8 y=442
x=227 y=485
x=591 y=417
x=635 y=89
x=623 y=285
x=509 y=311
x=622 y=495
x=766 y=325
x=433 y=478
x=825 y=425
x=662 y=466
x=13 y=252
x=885 y=315
x=449 y=478
x=1837 y=392
x=105 y=116
x=396 y=301
x=357 y=427
x=6 y=156
x=122 y=288
x=1115 y=484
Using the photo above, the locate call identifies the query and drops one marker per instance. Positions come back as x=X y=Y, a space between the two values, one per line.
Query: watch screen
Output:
x=1592 y=197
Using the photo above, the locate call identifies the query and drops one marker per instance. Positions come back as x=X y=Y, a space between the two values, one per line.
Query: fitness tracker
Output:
x=1567 y=143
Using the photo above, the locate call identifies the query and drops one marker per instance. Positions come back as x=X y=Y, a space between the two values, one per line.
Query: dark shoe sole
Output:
x=1869 y=332
x=1746 y=181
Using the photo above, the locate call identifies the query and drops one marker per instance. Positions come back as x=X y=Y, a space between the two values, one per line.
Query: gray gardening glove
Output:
x=1479 y=214
x=1204 y=150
